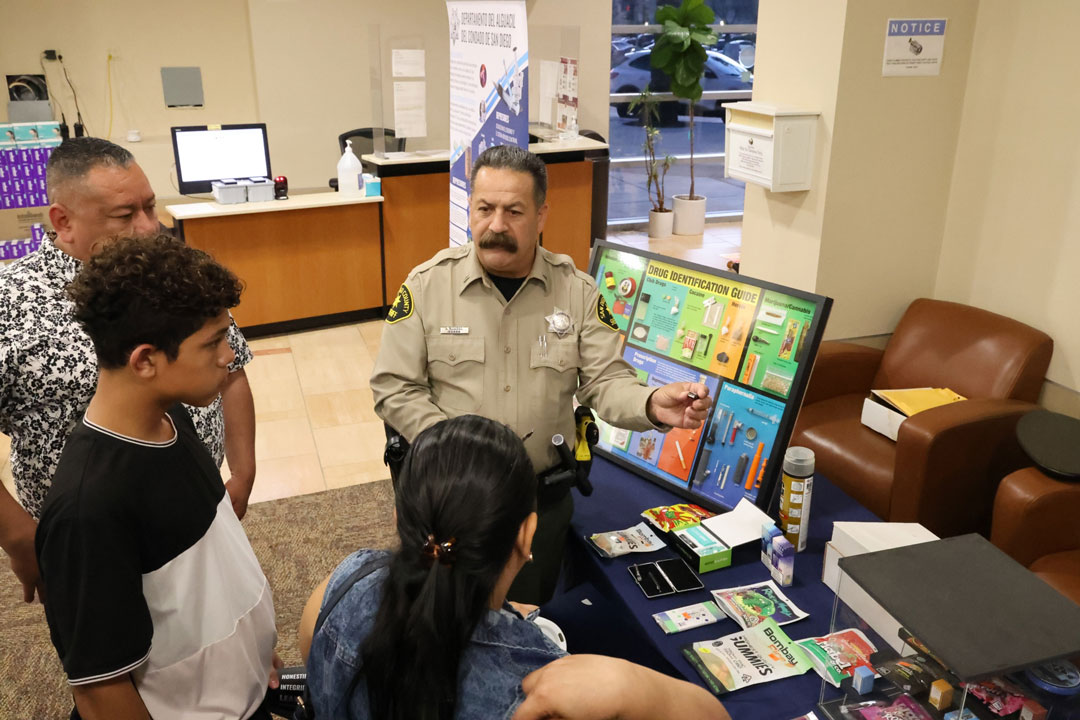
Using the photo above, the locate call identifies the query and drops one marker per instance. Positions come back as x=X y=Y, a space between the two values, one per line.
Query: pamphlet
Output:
x=691 y=616
x=620 y=542
x=836 y=655
x=750 y=605
x=748 y=657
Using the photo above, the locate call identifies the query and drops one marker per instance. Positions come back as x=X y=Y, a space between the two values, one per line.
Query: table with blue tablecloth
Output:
x=613 y=604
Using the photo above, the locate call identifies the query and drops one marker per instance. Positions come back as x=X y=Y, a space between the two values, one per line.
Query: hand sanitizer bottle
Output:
x=350 y=173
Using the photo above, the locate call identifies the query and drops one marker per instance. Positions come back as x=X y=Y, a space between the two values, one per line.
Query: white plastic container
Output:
x=260 y=190
x=229 y=192
x=350 y=173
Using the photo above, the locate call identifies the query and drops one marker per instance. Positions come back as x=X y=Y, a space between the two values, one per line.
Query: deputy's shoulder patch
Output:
x=402 y=307
x=603 y=314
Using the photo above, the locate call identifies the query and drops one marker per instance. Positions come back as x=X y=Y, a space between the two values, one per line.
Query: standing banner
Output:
x=489 y=91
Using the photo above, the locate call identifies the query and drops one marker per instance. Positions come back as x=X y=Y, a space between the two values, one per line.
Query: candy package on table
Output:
x=1000 y=696
x=676 y=517
x=902 y=707
x=620 y=542
x=913 y=674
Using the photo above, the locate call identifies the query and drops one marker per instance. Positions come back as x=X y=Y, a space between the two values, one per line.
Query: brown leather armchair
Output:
x=945 y=465
x=1037 y=523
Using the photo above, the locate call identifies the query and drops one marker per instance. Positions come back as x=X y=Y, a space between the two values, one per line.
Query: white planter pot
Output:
x=660 y=223
x=689 y=215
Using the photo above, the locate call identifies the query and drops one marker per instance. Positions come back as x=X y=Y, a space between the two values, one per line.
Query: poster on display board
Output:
x=489 y=91
x=751 y=343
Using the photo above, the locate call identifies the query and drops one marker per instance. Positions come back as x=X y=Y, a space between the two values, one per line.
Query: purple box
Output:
x=5 y=187
x=7 y=201
x=38 y=155
x=37 y=232
x=8 y=155
x=22 y=156
x=38 y=171
x=20 y=200
x=39 y=185
x=18 y=186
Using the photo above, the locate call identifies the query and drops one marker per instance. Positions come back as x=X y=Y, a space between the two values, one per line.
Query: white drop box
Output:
x=769 y=145
x=855 y=538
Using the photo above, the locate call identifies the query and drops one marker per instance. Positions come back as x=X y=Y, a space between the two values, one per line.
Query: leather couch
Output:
x=945 y=465
x=1037 y=523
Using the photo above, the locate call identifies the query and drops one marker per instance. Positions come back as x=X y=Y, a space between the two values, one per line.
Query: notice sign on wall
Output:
x=913 y=47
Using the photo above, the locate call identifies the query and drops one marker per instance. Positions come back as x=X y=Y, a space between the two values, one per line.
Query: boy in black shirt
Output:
x=156 y=603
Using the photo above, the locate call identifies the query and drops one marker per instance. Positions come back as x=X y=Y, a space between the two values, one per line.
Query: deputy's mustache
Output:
x=498 y=241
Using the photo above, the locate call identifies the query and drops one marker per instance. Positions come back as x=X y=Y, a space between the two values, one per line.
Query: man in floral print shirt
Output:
x=48 y=368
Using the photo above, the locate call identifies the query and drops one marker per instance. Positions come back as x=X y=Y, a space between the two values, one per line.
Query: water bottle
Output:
x=350 y=172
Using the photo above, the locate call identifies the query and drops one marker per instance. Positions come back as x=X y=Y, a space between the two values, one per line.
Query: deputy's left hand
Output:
x=672 y=405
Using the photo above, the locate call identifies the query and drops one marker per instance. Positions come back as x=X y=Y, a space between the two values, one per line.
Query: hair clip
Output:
x=443 y=552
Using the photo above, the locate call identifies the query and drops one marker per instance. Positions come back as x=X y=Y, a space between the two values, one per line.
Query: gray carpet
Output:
x=298 y=541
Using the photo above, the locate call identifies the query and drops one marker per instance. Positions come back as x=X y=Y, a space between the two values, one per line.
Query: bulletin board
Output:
x=752 y=343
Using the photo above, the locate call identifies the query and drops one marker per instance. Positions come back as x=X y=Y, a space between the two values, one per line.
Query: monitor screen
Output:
x=752 y=343
x=207 y=153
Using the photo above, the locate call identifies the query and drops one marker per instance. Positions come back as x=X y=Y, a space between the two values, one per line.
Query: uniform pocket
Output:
x=456 y=371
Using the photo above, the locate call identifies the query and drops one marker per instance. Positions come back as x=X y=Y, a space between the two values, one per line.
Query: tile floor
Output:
x=316 y=428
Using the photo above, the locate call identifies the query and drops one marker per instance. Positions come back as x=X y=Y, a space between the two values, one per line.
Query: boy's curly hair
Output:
x=153 y=290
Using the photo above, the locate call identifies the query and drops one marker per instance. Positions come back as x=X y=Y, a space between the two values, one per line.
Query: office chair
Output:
x=364 y=141
x=601 y=166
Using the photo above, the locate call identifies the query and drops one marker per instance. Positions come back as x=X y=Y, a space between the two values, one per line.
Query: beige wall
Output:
x=868 y=233
x=300 y=66
x=1013 y=222
x=798 y=64
x=144 y=37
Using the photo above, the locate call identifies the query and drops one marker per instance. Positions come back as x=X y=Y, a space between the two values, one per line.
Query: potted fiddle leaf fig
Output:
x=679 y=53
x=660 y=217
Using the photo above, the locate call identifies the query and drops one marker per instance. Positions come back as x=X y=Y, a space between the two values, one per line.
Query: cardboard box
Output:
x=16 y=223
x=881 y=418
x=702 y=550
x=854 y=538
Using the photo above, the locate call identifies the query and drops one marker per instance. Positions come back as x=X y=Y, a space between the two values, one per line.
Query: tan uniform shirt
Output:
x=453 y=345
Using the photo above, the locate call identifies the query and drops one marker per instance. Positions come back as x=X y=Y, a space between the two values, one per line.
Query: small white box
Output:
x=229 y=192
x=855 y=538
x=881 y=418
x=769 y=145
x=260 y=190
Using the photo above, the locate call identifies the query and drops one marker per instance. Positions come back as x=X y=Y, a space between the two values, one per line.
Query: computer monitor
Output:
x=751 y=343
x=205 y=153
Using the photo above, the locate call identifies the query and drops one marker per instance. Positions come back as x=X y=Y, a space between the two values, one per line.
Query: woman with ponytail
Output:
x=427 y=633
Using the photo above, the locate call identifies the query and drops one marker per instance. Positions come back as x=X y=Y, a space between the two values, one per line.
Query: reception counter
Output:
x=309 y=260
x=321 y=258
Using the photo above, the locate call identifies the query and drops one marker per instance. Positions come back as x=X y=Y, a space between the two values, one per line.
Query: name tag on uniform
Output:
x=454 y=331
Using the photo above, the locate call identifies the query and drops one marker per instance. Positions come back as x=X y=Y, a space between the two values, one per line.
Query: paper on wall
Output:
x=407 y=63
x=410 y=109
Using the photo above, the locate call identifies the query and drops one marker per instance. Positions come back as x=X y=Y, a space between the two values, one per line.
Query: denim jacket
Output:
x=503 y=650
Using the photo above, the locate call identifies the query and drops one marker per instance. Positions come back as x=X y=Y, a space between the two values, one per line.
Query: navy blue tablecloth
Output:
x=617 y=502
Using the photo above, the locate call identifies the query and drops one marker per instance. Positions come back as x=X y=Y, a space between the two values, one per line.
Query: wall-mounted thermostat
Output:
x=769 y=145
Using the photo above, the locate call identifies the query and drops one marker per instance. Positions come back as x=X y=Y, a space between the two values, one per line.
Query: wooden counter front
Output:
x=297 y=264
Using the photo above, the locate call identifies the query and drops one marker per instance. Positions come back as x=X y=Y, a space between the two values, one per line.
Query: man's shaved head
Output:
x=75 y=158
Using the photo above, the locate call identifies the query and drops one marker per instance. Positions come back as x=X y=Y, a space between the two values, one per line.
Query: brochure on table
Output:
x=752 y=343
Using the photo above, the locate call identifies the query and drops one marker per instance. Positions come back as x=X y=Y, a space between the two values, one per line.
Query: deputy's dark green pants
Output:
x=535 y=583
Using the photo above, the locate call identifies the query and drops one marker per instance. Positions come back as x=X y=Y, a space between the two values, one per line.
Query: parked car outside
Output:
x=635 y=72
